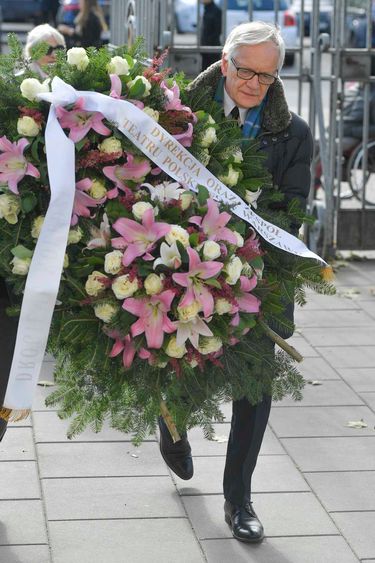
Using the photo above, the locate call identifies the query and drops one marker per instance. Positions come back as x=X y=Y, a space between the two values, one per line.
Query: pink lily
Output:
x=13 y=165
x=193 y=280
x=186 y=138
x=80 y=121
x=139 y=240
x=173 y=98
x=126 y=346
x=213 y=223
x=191 y=330
x=82 y=201
x=245 y=301
x=153 y=319
x=116 y=89
x=135 y=169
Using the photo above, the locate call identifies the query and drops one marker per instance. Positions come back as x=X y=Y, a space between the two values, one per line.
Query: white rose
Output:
x=231 y=177
x=222 y=306
x=208 y=137
x=153 y=113
x=139 y=208
x=77 y=56
x=237 y=156
x=94 y=285
x=27 y=126
x=174 y=351
x=185 y=200
x=110 y=145
x=118 y=65
x=31 y=87
x=97 y=190
x=153 y=284
x=211 y=250
x=188 y=313
x=37 y=226
x=66 y=261
x=233 y=270
x=209 y=345
x=146 y=83
x=122 y=287
x=20 y=266
x=113 y=262
x=75 y=235
x=251 y=197
x=9 y=208
x=240 y=241
x=177 y=233
x=105 y=311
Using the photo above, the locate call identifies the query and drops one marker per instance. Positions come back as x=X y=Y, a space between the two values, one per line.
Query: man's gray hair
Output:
x=41 y=33
x=253 y=33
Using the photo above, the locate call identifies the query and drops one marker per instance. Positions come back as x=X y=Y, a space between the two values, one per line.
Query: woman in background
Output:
x=89 y=25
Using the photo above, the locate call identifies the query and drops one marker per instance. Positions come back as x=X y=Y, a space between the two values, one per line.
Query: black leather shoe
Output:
x=3 y=427
x=244 y=523
x=177 y=456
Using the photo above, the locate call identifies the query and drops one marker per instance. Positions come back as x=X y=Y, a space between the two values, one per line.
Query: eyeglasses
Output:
x=52 y=50
x=248 y=74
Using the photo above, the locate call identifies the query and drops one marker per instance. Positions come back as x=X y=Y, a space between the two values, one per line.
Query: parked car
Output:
x=237 y=12
x=20 y=10
x=325 y=15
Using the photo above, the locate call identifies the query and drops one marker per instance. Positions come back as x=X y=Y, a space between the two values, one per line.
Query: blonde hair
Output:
x=253 y=33
x=91 y=6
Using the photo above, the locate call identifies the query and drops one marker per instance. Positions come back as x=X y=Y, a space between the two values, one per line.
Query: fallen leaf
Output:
x=219 y=439
x=134 y=455
x=314 y=382
x=356 y=424
x=350 y=293
x=46 y=383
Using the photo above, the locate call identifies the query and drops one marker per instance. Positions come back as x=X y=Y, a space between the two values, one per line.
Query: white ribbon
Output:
x=45 y=270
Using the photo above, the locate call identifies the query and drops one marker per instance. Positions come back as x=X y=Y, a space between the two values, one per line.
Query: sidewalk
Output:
x=98 y=499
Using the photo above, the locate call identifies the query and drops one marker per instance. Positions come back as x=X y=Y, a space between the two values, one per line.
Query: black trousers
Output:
x=247 y=430
x=8 y=332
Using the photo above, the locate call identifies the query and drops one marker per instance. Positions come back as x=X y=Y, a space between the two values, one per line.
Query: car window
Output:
x=266 y=5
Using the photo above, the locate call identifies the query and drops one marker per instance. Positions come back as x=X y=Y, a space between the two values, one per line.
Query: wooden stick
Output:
x=281 y=342
x=169 y=422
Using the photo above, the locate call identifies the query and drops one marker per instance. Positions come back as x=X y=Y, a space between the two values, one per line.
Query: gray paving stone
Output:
x=350 y=357
x=359 y=530
x=317 y=368
x=25 y=554
x=317 y=302
x=303 y=347
x=341 y=336
x=273 y=473
x=304 y=515
x=329 y=317
x=329 y=393
x=19 y=480
x=120 y=541
x=321 y=421
x=369 y=307
x=332 y=454
x=17 y=444
x=344 y=490
x=369 y=398
x=39 y=398
x=360 y=379
x=121 y=497
x=202 y=447
x=313 y=549
x=48 y=427
x=100 y=460
x=22 y=522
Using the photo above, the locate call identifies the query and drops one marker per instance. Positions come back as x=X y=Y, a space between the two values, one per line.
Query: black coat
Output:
x=287 y=141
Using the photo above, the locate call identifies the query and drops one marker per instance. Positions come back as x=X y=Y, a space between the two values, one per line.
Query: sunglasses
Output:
x=52 y=50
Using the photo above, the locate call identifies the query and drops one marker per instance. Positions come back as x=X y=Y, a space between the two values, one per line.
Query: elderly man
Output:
x=246 y=82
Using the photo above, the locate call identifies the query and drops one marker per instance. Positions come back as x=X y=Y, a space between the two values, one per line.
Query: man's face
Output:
x=264 y=58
